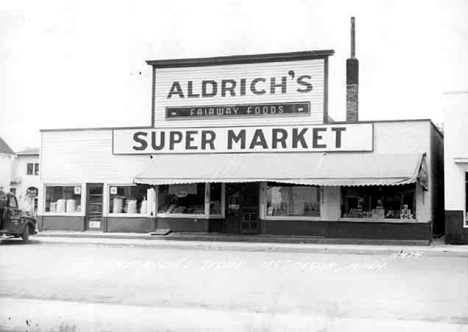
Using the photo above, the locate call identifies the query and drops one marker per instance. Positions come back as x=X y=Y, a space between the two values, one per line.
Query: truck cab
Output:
x=13 y=221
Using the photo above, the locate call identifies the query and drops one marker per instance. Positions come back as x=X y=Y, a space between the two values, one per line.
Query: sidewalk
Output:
x=206 y=241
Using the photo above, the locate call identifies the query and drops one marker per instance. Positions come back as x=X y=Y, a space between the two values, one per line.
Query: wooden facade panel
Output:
x=86 y=156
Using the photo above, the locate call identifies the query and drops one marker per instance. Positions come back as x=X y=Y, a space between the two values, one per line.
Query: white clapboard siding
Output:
x=86 y=156
x=165 y=77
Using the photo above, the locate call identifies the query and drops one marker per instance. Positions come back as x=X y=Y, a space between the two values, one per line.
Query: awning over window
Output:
x=333 y=169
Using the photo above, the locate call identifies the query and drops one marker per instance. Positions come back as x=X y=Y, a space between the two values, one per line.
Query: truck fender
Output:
x=30 y=224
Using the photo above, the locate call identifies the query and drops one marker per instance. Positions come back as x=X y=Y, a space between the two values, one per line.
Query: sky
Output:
x=81 y=64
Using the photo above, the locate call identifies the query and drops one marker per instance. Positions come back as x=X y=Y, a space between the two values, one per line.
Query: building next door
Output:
x=242 y=207
x=94 y=207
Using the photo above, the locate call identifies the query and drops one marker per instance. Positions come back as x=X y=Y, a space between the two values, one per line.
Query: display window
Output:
x=196 y=199
x=292 y=201
x=63 y=199
x=372 y=202
x=182 y=199
x=128 y=199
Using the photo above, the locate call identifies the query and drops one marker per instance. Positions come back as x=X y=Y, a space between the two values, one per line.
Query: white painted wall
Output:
x=82 y=156
x=26 y=181
x=402 y=137
x=6 y=161
x=456 y=146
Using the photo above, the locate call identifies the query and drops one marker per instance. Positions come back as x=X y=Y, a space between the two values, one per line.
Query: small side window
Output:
x=29 y=169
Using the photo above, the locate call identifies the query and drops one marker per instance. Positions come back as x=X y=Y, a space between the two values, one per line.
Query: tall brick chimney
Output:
x=352 y=81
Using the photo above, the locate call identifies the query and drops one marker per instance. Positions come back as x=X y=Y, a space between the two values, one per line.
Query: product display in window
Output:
x=182 y=199
x=379 y=202
x=62 y=199
x=128 y=200
x=293 y=201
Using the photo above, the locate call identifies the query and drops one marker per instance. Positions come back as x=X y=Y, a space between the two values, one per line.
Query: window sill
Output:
x=128 y=215
x=181 y=215
x=70 y=214
x=397 y=221
x=292 y=218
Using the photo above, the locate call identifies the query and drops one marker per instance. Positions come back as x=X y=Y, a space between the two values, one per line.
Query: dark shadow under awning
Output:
x=321 y=169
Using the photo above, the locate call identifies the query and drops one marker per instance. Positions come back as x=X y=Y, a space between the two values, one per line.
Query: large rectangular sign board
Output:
x=248 y=139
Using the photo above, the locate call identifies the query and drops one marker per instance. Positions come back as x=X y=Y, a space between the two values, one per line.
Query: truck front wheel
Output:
x=25 y=234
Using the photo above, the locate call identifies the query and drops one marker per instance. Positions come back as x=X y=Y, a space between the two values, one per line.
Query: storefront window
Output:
x=182 y=199
x=215 y=199
x=390 y=202
x=63 y=199
x=293 y=201
x=128 y=199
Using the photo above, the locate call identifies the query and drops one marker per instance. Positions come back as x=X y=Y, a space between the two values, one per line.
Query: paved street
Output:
x=98 y=287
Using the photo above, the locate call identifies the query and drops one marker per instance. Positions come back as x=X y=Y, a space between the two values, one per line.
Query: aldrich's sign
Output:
x=292 y=138
x=245 y=91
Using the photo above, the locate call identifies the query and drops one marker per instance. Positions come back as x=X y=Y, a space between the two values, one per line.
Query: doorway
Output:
x=242 y=207
x=94 y=207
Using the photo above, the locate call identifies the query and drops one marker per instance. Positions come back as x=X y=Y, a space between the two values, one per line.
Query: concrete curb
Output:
x=299 y=246
x=234 y=238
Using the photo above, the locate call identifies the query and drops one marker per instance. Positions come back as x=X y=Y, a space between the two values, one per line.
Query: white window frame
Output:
x=81 y=213
x=124 y=215
x=263 y=206
x=205 y=215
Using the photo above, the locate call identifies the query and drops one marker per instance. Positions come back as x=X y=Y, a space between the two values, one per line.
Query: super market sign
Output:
x=292 y=138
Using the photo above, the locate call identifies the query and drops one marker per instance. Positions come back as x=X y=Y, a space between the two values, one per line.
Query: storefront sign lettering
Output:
x=233 y=87
x=238 y=110
x=346 y=137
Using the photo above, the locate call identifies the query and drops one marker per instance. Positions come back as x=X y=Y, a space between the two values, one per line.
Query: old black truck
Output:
x=13 y=221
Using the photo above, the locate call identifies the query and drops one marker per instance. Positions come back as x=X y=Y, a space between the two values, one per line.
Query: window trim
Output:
x=263 y=206
x=81 y=213
x=374 y=220
x=107 y=197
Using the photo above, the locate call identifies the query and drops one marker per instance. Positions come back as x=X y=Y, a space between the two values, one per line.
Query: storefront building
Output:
x=244 y=145
x=456 y=167
x=25 y=183
x=7 y=157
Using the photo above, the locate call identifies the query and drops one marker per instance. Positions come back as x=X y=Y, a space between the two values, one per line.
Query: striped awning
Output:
x=321 y=169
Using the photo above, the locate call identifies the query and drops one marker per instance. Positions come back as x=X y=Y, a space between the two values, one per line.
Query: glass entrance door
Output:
x=249 y=219
x=94 y=207
x=242 y=202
